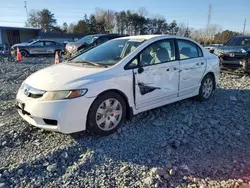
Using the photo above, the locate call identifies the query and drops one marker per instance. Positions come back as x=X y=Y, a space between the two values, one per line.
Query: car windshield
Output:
x=239 y=41
x=88 y=39
x=108 y=53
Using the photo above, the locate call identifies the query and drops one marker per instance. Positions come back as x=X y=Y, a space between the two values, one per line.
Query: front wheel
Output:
x=24 y=53
x=106 y=114
x=207 y=88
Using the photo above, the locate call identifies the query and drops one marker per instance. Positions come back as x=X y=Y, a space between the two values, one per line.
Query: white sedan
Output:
x=98 y=89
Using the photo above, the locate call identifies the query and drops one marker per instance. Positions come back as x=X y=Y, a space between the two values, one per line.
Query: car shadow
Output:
x=209 y=141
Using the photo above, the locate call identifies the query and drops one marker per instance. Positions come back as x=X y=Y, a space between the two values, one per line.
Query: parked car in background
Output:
x=38 y=47
x=235 y=51
x=74 y=48
x=98 y=89
x=212 y=47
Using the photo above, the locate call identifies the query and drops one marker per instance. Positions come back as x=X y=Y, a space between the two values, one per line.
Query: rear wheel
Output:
x=106 y=114
x=207 y=87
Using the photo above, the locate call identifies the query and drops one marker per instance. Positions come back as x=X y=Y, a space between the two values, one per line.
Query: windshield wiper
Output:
x=87 y=62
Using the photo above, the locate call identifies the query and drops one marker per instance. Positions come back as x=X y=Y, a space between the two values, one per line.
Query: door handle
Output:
x=197 y=64
x=175 y=68
x=202 y=63
x=167 y=69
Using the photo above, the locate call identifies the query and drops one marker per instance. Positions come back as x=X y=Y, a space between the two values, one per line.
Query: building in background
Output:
x=14 y=35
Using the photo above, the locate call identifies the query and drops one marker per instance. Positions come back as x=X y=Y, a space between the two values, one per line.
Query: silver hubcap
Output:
x=207 y=87
x=109 y=114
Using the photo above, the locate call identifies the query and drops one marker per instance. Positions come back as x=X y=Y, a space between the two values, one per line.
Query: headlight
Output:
x=60 y=95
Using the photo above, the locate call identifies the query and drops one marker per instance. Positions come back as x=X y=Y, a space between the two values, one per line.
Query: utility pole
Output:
x=244 y=27
x=25 y=6
x=208 y=19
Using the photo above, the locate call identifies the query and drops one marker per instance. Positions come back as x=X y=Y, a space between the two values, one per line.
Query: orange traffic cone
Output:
x=19 y=57
x=57 y=58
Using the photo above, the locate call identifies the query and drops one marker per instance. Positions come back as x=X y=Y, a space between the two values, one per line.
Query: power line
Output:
x=244 y=27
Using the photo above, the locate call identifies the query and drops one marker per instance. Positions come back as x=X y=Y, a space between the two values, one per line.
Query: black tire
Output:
x=202 y=96
x=92 y=126
x=24 y=53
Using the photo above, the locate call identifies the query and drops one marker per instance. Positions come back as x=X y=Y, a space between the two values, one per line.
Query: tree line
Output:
x=127 y=22
x=105 y=21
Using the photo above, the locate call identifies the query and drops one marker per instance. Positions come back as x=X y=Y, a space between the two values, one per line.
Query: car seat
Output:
x=161 y=55
x=185 y=53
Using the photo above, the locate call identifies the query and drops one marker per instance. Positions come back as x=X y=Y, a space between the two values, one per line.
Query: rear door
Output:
x=192 y=65
x=50 y=47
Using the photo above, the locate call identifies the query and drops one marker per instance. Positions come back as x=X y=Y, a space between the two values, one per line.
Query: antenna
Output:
x=208 y=21
x=25 y=6
x=209 y=15
x=244 y=27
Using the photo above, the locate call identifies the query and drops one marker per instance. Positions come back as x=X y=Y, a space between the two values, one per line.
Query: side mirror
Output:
x=140 y=70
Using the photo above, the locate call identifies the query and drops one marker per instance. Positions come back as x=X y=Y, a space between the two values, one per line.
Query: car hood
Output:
x=229 y=49
x=63 y=77
x=72 y=46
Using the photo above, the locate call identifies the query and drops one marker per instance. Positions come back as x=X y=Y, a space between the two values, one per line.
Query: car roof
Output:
x=160 y=36
x=101 y=35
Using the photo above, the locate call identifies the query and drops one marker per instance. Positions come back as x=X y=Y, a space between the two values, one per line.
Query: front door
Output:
x=192 y=65
x=38 y=48
x=157 y=78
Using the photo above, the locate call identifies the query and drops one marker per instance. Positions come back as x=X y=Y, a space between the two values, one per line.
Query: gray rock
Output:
x=2 y=185
x=124 y=169
x=164 y=144
x=4 y=143
x=52 y=168
x=172 y=172
x=148 y=181
x=176 y=144
x=20 y=171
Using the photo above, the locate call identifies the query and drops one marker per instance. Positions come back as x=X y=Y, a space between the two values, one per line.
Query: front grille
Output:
x=32 y=92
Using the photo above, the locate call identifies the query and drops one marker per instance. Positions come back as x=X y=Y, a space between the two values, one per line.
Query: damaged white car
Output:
x=98 y=89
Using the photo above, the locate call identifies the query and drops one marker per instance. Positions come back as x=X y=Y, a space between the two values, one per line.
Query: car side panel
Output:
x=123 y=83
x=212 y=66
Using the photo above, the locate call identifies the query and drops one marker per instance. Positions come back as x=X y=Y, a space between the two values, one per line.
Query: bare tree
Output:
x=33 y=19
x=107 y=17
x=142 y=11
x=182 y=29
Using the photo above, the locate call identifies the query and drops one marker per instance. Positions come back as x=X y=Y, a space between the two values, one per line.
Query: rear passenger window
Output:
x=188 y=50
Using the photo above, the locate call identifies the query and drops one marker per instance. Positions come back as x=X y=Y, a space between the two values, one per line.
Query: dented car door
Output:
x=157 y=78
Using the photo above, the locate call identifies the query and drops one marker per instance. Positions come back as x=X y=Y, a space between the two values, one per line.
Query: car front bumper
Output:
x=65 y=116
x=233 y=58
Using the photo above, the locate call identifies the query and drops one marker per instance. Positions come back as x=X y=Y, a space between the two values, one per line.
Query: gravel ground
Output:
x=185 y=144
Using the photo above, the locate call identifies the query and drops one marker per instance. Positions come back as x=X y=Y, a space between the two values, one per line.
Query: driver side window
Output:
x=38 y=44
x=158 y=52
